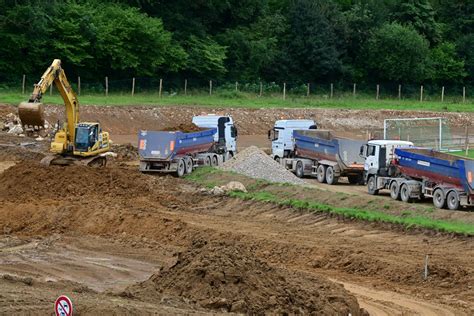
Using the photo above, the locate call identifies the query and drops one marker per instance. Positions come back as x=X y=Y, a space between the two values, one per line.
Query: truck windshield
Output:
x=82 y=138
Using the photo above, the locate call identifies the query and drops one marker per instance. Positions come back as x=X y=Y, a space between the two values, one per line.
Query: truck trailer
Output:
x=417 y=173
x=180 y=152
x=321 y=154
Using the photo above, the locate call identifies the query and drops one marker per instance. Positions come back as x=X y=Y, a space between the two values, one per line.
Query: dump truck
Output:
x=181 y=152
x=417 y=173
x=321 y=154
x=281 y=136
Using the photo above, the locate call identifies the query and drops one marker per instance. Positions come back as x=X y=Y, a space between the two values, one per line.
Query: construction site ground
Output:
x=119 y=241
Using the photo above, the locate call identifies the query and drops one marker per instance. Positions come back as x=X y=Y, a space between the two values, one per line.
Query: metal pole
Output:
x=384 y=129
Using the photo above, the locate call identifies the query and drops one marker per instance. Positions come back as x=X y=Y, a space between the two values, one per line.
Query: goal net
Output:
x=430 y=132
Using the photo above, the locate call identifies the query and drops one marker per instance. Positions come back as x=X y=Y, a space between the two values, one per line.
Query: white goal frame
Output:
x=440 y=120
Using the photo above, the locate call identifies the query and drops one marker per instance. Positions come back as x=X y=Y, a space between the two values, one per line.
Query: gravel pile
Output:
x=255 y=163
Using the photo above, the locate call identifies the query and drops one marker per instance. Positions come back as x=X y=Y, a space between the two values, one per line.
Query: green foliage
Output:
x=312 y=44
x=421 y=16
x=206 y=57
x=445 y=64
x=398 y=53
x=295 y=41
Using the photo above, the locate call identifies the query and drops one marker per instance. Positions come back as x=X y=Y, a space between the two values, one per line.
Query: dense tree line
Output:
x=410 y=41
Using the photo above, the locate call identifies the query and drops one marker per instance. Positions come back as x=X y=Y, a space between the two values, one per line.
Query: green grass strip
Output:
x=360 y=214
x=246 y=100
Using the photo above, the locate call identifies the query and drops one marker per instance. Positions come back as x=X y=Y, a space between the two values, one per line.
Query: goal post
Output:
x=430 y=132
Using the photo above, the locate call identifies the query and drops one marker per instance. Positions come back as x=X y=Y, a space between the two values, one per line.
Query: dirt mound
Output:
x=19 y=153
x=185 y=128
x=29 y=180
x=227 y=276
x=126 y=152
x=255 y=163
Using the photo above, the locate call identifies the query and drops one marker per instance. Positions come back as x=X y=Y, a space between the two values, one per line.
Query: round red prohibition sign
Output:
x=63 y=306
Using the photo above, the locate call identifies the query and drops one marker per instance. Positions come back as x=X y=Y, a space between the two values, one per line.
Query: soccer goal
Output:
x=430 y=132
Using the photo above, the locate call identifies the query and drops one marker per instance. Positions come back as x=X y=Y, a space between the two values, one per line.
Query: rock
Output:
x=233 y=186
x=217 y=191
x=16 y=129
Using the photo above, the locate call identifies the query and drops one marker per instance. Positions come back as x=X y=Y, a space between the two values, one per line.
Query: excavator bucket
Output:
x=31 y=114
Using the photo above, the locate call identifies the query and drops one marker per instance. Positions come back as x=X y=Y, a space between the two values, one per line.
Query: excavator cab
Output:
x=90 y=139
x=86 y=136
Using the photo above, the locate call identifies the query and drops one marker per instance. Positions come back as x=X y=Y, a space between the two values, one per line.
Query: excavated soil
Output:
x=184 y=127
x=120 y=242
x=125 y=152
x=227 y=276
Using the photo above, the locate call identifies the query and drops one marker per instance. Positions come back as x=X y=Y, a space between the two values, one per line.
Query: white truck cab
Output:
x=226 y=131
x=281 y=135
x=378 y=155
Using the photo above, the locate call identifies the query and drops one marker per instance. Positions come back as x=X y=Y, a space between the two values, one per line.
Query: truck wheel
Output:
x=277 y=159
x=181 y=168
x=299 y=169
x=321 y=173
x=405 y=193
x=207 y=161
x=189 y=165
x=453 y=200
x=395 y=190
x=214 y=161
x=438 y=198
x=330 y=177
x=372 y=186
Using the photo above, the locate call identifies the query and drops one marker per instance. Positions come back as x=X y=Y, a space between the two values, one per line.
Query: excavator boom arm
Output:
x=31 y=112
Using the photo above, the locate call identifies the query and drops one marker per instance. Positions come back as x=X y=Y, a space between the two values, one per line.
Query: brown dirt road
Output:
x=93 y=234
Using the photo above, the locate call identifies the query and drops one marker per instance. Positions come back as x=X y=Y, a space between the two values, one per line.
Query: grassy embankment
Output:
x=244 y=100
x=370 y=209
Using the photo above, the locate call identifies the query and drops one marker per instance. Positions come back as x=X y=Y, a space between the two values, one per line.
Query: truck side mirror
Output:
x=269 y=134
x=362 y=151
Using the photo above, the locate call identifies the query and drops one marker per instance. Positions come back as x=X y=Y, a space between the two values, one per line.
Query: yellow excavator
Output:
x=76 y=142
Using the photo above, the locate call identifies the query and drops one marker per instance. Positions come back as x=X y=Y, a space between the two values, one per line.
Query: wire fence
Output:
x=164 y=87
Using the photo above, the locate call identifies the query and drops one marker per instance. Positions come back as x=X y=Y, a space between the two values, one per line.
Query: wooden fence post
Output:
x=79 y=85
x=185 y=86
x=332 y=90
x=161 y=88
x=463 y=94
x=399 y=92
x=421 y=93
x=261 y=88
x=210 y=87
x=307 y=90
x=106 y=86
x=23 y=85
x=378 y=92
x=442 y=94
x=354 y=90
x=51 y=90
x=133 y=86
x=284 y=90
x=236 y=86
